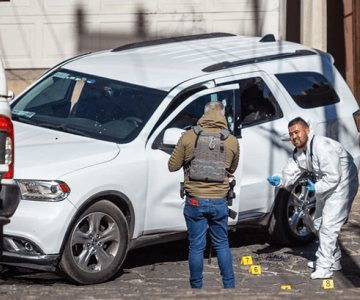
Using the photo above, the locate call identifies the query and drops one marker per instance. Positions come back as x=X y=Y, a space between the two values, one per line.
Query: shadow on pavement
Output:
x=350 y=273
x=168 y=252
x=243 y=241
x=178 y=250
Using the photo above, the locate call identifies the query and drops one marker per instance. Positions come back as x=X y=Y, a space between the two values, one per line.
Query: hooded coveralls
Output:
x=335 y=190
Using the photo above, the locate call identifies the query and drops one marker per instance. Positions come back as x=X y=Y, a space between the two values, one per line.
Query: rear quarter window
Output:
x=308 y=89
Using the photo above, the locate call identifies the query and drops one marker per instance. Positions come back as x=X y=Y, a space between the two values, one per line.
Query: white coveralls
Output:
x=335 y=190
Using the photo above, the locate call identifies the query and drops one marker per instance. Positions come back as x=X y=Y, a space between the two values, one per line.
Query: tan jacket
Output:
x=213 y=121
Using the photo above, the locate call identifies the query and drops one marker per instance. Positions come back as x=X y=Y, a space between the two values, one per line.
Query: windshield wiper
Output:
x=76 y=131
x=59 y=127
x=64 y=128
x=23 y=119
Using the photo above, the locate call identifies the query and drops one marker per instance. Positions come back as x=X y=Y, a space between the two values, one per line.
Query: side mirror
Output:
x=11 y=95
x=172 y=136
x=285 y=137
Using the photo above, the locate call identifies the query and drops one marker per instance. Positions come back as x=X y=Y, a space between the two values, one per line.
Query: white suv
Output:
x=94 y=134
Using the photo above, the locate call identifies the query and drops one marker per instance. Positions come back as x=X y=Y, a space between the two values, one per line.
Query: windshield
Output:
x=88 y=105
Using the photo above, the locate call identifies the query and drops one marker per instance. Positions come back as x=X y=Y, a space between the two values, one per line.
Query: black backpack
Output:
x=209 y=160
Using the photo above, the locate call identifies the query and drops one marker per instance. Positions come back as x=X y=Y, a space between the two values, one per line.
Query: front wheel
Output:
x=97 y=244
x=292 y=220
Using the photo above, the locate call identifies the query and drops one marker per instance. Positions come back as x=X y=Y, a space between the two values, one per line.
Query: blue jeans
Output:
x=201 y=215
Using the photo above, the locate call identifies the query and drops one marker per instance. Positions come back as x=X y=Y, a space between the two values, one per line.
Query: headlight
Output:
x=43 y=190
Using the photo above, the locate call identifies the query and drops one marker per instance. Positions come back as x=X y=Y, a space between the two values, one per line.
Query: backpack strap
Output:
x=224 y=134
x=293 y=155
x=311 y=148
x=311 y=151
x=197 y=129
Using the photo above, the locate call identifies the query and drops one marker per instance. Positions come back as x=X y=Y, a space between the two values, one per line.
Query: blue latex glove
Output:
x=310 y=186
x=274 y=180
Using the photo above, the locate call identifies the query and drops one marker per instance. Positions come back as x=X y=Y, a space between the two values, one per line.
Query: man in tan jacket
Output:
x=206 y=203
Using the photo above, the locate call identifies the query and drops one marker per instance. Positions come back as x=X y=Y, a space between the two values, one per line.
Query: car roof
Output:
x=164 y=64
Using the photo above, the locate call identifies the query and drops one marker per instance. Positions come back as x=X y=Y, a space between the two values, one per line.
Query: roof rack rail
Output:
x=173 y=40
x=247 y=61
x=267 y=38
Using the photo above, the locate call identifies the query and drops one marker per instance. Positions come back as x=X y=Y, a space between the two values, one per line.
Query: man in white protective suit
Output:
x=335 y=189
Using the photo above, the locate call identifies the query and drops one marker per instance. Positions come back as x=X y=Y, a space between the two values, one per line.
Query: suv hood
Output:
x=42 y=153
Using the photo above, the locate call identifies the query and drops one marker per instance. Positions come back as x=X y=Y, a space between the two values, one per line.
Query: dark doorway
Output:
x=336 y=34
x=293 y=11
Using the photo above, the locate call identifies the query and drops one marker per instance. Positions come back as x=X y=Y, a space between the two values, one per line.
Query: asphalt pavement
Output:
x=161 y=272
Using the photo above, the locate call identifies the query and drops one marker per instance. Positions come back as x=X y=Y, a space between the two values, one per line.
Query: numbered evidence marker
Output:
x=246 y=260
x=286 y=287
x=255 y=269
x=328 y=284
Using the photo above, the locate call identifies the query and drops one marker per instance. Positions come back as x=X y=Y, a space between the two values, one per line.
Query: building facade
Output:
x=37 y=34
x=41 y=33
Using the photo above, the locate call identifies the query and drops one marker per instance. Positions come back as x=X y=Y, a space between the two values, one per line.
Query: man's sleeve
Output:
x=235 y=161
x=329 y=160
x=177 y=156
x=290 y=173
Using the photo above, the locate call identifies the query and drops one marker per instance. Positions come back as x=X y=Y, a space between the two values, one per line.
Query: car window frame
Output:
x=275 y=101
x=158 y=133
x=70 y=91
x=304 y=105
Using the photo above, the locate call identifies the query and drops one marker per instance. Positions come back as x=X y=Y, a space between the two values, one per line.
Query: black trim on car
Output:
x=156 y=238
x=230 y=64
x=173 y=40
x=255 y=219
x=36 y=262
x=9 y=200
x=268 y=38
x=258 y=219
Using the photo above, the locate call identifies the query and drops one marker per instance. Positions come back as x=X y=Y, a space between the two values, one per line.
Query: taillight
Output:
x=7 y=130
x=356 y=116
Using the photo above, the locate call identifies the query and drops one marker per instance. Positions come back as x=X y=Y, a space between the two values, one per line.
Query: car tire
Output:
x=291 y=222
x=96 y=246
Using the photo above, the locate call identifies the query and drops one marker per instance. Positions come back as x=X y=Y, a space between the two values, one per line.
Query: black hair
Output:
x=298 y=120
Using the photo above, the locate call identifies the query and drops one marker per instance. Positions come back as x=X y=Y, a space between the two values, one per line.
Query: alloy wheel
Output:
x=301 y=210
x=95 y=242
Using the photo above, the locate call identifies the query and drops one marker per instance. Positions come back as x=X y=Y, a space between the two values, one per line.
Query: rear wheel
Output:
x=292 y=221
x=97 y=245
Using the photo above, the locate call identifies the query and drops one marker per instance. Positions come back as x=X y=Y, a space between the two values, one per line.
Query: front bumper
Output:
x=36 y=262
x=41 y=224
x=9 y=201
x=34 y=237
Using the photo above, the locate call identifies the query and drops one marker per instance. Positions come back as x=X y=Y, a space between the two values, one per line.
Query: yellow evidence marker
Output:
x=286 y=287
x=246 y=260
x=327 y=284
x=255 y=269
